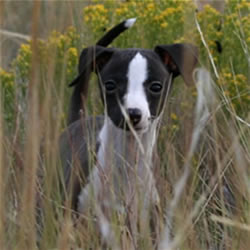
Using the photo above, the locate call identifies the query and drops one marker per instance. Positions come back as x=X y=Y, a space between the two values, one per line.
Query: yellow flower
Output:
x=241 y=77
x=6 y=78
x=244 y=5
x=72 y=52
x=157 y=18
x=122 y=11
x=164 y=25
x=151 y=6
x=101 y=8
x=25 y=47
x=173 y=116
x=169 y=11
x=86 y=18
x=175 y=127
x=211 y=10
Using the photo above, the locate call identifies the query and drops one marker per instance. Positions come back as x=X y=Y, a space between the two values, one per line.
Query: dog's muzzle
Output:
x=135 y=116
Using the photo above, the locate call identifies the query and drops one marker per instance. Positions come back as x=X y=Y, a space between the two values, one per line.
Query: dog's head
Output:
x=134 y=83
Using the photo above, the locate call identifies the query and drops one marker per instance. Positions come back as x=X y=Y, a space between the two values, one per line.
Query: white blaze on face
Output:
x=136 y=96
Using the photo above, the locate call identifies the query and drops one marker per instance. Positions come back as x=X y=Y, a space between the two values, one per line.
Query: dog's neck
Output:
x=125 y=161
x=124 y=148
x=123 y=165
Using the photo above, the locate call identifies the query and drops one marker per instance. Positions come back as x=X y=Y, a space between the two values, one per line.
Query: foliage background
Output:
x=160 y=22
x=35 y=97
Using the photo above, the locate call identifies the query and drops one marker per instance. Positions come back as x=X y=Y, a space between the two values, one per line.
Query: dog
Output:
x=108 y=160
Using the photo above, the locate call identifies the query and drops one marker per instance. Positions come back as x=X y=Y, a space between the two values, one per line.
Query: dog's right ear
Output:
x=91 y=59
x=180 y=59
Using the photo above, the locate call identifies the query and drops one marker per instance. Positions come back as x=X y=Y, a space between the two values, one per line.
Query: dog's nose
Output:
x=134 y=115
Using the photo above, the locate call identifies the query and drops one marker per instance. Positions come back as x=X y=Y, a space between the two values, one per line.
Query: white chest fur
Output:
x=123 y=171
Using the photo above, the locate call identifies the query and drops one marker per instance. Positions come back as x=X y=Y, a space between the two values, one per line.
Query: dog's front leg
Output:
x=89 y=194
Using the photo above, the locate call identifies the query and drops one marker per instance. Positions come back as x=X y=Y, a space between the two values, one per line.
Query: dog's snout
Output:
x=135 y=115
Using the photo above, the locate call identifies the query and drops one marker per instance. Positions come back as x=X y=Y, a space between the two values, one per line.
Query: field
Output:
x=203 y=144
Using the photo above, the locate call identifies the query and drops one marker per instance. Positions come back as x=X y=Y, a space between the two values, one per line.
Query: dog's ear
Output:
x=96 y=57
x=180 y=59
x=91 y=59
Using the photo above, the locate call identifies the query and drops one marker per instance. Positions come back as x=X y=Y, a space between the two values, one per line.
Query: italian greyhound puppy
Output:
x=134 y=85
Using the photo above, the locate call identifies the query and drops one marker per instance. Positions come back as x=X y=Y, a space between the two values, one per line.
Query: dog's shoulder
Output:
x=78 y=144
x=79 y=131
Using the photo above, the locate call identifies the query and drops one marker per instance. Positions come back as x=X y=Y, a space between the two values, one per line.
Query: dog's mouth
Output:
x=138 y=128
x=129 y=126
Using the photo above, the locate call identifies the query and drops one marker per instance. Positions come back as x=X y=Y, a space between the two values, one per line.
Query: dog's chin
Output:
x=139 y=129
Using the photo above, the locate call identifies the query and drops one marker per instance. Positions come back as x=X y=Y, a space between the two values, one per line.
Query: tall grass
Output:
x=204 y=141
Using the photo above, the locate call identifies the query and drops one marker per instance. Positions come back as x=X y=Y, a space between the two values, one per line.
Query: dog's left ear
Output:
x=180 y=59
x=91 y=60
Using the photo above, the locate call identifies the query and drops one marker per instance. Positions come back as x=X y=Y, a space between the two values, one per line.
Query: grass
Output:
x=204 y=141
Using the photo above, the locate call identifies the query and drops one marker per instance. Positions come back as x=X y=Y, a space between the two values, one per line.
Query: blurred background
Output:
x=40 y=43
x=17 y=22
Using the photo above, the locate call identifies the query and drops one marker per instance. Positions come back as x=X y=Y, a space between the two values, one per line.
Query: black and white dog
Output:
x=134 y=85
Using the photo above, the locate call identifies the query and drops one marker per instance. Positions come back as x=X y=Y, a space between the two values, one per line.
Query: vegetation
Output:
x=35 y=99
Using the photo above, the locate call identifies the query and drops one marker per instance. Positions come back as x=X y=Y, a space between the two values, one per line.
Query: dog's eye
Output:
x=155 y=87
x=110 y=86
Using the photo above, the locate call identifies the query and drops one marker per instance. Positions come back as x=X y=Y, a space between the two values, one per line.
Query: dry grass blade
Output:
x=203 y=142
x=229 y=222
x=15 y=35
x=204 y=102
